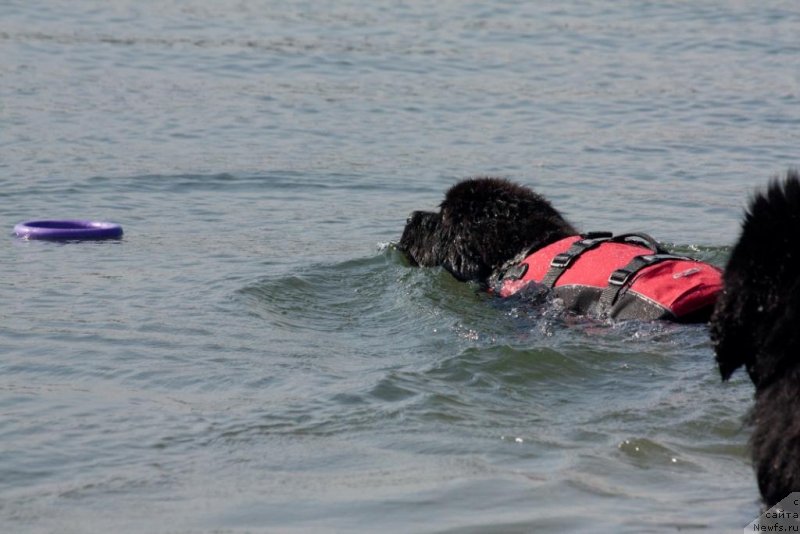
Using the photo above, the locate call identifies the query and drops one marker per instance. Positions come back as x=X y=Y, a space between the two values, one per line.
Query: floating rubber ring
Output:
x=66 y=230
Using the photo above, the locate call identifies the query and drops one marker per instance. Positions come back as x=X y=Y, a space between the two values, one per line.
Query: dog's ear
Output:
x=760 y=283
x=474 y=214
x=732 y=340
x=466 y=253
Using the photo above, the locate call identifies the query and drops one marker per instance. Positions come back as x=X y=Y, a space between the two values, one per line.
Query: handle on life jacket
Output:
x=640 y=238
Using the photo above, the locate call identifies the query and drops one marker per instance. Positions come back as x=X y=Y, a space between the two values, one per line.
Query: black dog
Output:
x=756 y=324
x=506 y=237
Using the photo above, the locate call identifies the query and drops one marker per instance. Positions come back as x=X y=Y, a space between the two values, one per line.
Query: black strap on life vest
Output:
x=620 y=278
x=590 y=240
x=515 y=272
x=562 y=261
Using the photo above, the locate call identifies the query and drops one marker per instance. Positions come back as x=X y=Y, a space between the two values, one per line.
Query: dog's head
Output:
x=481 y=224
x=756 y=322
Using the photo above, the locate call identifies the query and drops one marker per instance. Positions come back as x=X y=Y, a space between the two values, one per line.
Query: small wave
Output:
x=366 y=297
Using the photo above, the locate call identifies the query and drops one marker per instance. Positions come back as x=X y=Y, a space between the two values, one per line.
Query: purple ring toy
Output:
x=72 y=229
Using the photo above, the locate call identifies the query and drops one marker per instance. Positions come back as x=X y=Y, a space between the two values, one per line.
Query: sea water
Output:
x=254 y=356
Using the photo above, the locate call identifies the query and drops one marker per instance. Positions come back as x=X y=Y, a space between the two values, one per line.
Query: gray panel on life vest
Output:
x=583 y=300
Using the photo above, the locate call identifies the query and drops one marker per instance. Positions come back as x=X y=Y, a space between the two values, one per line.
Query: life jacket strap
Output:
x=620 y=278
x=562 y=261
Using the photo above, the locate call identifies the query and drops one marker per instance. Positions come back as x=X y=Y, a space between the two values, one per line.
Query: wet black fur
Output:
x=756 y=324
x=481 y=224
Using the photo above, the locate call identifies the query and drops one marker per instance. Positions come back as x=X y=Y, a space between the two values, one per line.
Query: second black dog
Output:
x=756 y=325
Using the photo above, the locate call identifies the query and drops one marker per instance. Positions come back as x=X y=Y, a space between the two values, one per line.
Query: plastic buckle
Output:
x=562 y=260
x=619 y=277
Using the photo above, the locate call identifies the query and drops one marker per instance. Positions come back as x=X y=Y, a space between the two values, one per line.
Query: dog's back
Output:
x=756 y=324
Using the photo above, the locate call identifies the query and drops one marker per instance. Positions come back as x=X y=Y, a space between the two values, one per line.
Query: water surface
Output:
x=252 y=355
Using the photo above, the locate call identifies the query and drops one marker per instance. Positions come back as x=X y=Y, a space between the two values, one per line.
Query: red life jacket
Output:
x=625 y=277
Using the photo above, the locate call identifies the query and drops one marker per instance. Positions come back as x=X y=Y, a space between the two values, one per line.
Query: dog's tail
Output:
x=757 y=318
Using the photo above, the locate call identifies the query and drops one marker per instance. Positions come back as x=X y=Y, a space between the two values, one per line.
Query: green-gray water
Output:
x=253 y=356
